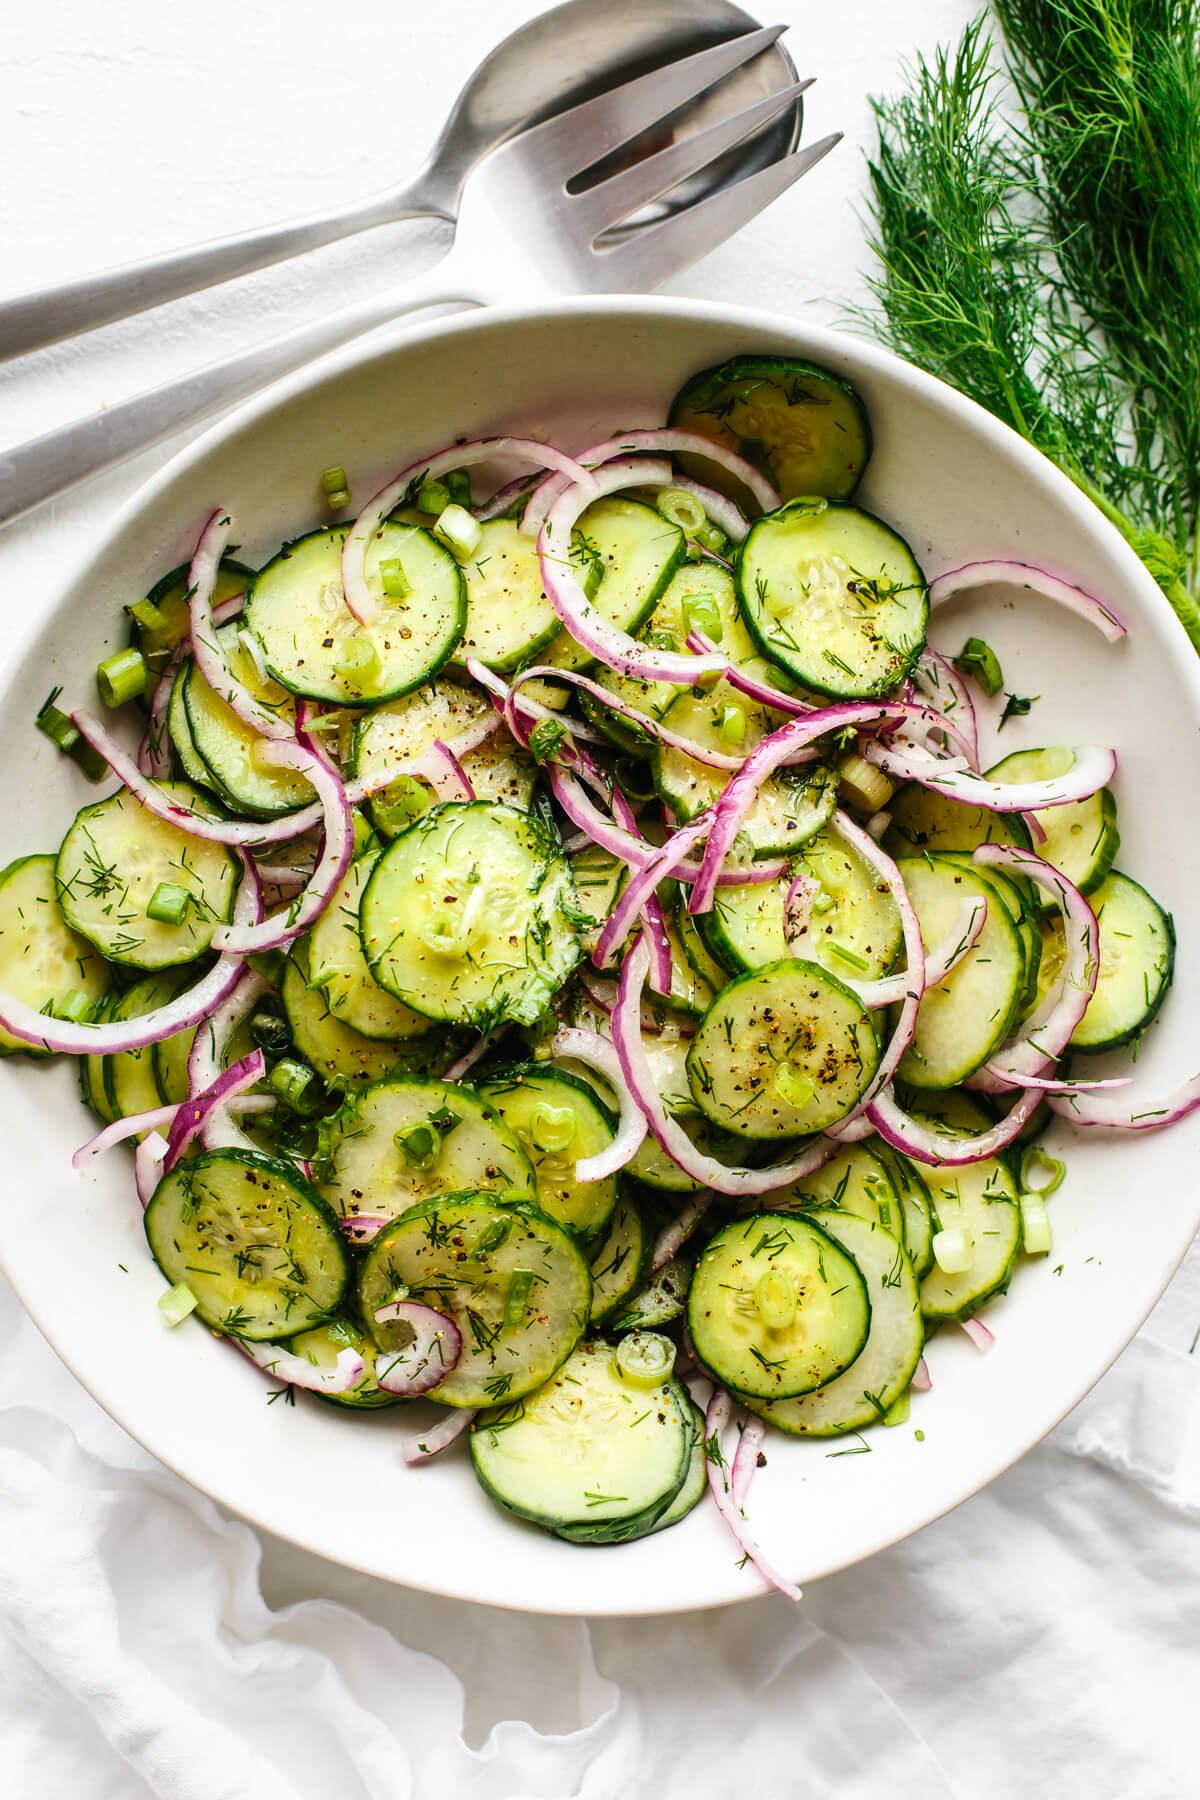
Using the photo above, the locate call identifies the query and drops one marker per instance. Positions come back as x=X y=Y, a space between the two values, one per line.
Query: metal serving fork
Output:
x=524 y=231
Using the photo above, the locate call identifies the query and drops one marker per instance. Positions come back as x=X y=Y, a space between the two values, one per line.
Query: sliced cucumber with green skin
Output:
x=790 y=807
x=400 y=731
x=803 y=426
x=588 y=1451
x=341 y=1056
x=469 y=916
x=666 y=1053
x=509 y=619
x=661 y=1300
x=782 y=1051
x=516 y=1284
x=776 y=1306
x=171 y=594
x=909 y=1184
x=854 y=928
x=131 y=1076
x=1012 y=894
x=324 y=1344
x=888 y=1360
x=979 y=1200
x=709 y=968
x=688 y=992
x=405 y=1141
x=92 y=1089
x=598 y=879
x=42 y=961
x=337 y=966
x=114 y=858
x=964 y=1017
x=922 y=820
x=297 y=612
x=620 y=1260
x=558 y=1120
x=1137 y=961
x=834 y=596
x=1081 y=839
x=638 y=551
x=652 y=1166
x=227 y=745
x=695 y=1482
x=856 y=1181
x=253 y=1241
x=179 y=731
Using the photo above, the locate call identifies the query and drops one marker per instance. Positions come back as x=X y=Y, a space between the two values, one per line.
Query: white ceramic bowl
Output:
x=957 y=485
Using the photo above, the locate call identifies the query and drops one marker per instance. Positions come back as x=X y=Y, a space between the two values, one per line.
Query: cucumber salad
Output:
x=561 y=951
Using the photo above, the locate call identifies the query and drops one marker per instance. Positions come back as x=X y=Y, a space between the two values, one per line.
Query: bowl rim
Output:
x=379 y=346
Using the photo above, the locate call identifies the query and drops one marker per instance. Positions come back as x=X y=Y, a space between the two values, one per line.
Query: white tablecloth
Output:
x=1041 y=1640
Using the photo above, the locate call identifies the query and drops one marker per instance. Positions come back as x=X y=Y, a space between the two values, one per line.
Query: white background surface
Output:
x=1041 y=1640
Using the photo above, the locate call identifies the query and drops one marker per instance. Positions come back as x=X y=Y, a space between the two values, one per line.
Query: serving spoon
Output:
x=563 y=57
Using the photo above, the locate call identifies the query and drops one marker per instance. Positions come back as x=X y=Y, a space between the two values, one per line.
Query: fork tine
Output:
x=614 y=199
x=649 y=256
x=576 y=139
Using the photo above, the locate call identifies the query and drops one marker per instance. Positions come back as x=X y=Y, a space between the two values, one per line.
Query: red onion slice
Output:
x=148 y=1166
x=668 y=1133
x=797 y=908
x=607 y=835
x=942 y=685
x=673 y=1237
x=1046 y=1033
x=447 y=1431
x=977 y=1331
x=207 y=1052
x=207 y=648
x=1094 y=1113
x=429 y=1356
x=701 y=753
x=999 y=571
x=754 y=689
x=745 y=1461
x=585 y=622
x=296 y=1371
x=640 y=888
x=595 y=1052
x=922 y=1380
x=359 y=598
x=716 y=1419
x=661 y=440
x=1093 y=769
x=363 y=1226
x=941 y=1150
x=193 y=1115
x=132 y=1125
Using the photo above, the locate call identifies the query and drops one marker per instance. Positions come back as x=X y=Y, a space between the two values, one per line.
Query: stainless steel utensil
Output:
x=521 y=231
x=559 y=59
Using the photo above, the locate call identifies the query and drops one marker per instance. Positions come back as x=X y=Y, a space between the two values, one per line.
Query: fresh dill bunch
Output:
x=981 y=280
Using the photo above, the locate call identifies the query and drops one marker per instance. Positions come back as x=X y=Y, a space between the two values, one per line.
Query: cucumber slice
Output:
x=156 y=638
x=373 y=1162
x=509 y=619
x=252 y=1239
x=131 y=1076
x=1013 y=896
x=620 y=1260
x=1081 y=838
x=598 y=879
x=791 y=806
x=909 y=1184
x=42 y=961
x=856 y=1181
x=695 y=1482
x=460 y=1255
x=588 y=1452
x=661 y=1300
x=403 y=729
x=782 y=1051
x=341 y=1056
x=1137 y=961
x=557 y=1119
x=776 y=1306
x=297 y=612
x=469 y=916
x=324 y=1344
x=834 y=596
x=803 y=426
x=854 y=929
x=710 y=969
x=112 y=860
x=963 y=1019
x=688 y=992
x=922 y=820
x=227 y=745
x=338 y=968
x=979 y=1200
x=638 y=551
x=888 y=1360
x=92 y=1089
x=179 y=731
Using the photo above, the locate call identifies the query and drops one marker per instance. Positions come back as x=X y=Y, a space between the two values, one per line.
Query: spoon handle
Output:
x=32 y=321
x=61 y=459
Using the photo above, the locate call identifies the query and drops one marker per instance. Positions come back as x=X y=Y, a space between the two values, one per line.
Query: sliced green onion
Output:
x=420 y=1144
x=457 y=483
x=980 y=660
x=339 y=500
x=897 y=1413
x=333 y=480
x=793 y=1085
x=296 y=1084
x=444 y=1120
x=357 y=660
x=775 y=1300
x=645 y=1359
x=850 y=957
x=75 y=1007
x=177 y=1303
x=516 y=1298
x=951 y=1252
x=433 y=496
x=823 y=902
x=683 y=509
x=1041 y=1174
x=398 y=804
x=713 y=539
x=395 y=581
x=1036 y=1236
x=169 y=903
x=732 y=729
x=147 y=615
x=553 y=1129
x=121 y=677
x=493 y=1237
x=461 y=534
x=547 y=739
x=702 y=613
